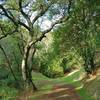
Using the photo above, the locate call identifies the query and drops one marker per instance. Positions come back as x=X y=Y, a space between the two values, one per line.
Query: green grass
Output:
x=7 y=93
x=7 y=90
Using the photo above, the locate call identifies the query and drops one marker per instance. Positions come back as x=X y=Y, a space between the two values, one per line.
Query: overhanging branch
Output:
x=10 y=16
x=61 y=20
x=7 y=15
x=47 y=31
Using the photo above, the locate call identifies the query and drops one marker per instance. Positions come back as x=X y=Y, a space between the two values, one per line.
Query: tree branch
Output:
x=10 y=16
x=15 y=30
x=41 y=13
x=61 y=20
x=48 y=30
x=21 y=10
x=24 y=14
x=7 y=15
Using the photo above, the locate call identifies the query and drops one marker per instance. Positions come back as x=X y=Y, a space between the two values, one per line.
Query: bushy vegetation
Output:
x=52 y=37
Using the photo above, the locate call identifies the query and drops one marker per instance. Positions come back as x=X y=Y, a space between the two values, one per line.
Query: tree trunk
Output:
x=92 y=64
x=26 y=73
x=8 y=62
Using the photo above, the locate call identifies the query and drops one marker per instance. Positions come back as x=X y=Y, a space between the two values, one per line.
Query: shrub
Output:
x=54 y=69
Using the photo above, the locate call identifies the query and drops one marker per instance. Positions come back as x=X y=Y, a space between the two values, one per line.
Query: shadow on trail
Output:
x=61 y=92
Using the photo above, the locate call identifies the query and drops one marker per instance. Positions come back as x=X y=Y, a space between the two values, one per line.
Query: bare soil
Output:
x=61 y=92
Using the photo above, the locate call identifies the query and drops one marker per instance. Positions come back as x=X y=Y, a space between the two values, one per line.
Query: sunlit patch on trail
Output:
x=80 y=87
x=61 y=96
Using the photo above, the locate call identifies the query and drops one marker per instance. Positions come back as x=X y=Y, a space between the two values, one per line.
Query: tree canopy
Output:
x=52 y=37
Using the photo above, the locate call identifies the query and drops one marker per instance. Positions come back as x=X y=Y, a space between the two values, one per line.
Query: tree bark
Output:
x=26 y=73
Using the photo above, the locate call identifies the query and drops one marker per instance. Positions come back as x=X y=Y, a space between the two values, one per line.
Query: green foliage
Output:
x=79 y=33
x=7 y=93
x=70 y=45
x=6 y=27
x=3 y=72
x=13 y=4
x=10 y=46
x=54 y=68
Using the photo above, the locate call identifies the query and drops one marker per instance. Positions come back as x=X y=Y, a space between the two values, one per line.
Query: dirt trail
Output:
x=58 y=92
x=61 y=92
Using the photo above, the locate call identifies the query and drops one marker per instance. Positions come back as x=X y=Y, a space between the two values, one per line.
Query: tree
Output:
x=80 y=32
x=25 y=14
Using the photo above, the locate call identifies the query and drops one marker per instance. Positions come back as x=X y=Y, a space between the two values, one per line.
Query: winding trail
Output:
x=58 y=92
x=61 y=92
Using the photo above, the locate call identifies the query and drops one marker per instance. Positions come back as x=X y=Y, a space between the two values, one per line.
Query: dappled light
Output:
x=49 y=49
x=80 y=87
x=72 y=72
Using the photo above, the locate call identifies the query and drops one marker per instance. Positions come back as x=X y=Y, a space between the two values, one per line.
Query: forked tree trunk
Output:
x=26 y=73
